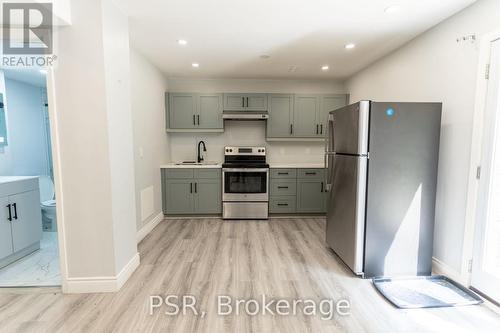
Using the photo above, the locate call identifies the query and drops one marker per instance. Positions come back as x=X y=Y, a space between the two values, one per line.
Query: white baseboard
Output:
x=146 y=229
x=440 y=268
x=102 y=284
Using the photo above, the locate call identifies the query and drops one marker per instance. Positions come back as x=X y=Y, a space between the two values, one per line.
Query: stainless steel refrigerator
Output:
x=382 y=161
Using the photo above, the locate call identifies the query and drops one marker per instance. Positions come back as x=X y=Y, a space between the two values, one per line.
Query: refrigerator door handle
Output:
x=328 y=151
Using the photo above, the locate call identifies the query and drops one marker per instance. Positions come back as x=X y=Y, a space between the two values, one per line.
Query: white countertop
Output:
x=297 y=165
x=10 y=179
x=211 y=165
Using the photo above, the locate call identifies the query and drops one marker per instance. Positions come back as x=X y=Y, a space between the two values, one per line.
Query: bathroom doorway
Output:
x=29 y=251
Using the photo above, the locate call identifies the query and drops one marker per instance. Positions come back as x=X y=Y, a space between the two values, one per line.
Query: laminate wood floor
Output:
x=205 y=258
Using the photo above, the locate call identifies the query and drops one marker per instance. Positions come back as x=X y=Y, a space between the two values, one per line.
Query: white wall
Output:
x=239 y=133
x=26 y=152
x=92 y=135
x=150 y=139
x=120 y=134
x=435 y=68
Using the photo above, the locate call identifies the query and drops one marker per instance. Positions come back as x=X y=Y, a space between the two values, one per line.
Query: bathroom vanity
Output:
x=20 y=218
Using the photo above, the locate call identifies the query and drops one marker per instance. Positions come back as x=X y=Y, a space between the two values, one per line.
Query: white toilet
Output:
x=48 y=204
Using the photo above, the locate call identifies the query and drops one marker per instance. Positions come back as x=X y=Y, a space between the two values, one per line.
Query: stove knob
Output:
x=230 y=150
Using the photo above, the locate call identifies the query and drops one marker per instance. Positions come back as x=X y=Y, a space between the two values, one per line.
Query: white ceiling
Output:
x=226 y=37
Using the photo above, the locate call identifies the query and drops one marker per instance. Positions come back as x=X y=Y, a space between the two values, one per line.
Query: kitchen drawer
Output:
x=284 y=187
x=283 y=173
x=207 y=173
x=282 y=204
x=311 y=173
x=179 y=173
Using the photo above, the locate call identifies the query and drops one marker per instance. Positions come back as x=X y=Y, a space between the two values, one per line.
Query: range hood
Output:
x=245 y=115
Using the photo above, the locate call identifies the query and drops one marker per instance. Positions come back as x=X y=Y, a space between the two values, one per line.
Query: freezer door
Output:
x=349 y=127
x=346 y=210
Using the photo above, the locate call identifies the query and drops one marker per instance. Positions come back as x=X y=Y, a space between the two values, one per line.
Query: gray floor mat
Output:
x=424 y=292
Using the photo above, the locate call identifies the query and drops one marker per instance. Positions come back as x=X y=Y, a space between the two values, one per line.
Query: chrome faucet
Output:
x=200 y=158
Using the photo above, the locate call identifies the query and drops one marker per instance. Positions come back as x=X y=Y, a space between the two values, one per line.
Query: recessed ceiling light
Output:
x=325 y=67
x=182 y=42
x=350 y=46
x=195 y=64
x=392 y=9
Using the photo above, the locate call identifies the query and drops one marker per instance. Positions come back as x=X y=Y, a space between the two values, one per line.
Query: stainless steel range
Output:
x=245 y=183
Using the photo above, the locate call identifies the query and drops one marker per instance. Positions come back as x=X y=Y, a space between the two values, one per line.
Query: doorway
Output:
x=485 y=270
x=29 y=255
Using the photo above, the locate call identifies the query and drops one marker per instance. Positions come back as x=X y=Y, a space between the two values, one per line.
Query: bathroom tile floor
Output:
x=41 y=268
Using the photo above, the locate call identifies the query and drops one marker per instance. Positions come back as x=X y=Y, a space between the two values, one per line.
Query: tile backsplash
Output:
x=242 y=133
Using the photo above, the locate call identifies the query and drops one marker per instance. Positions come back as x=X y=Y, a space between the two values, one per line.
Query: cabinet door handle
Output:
x=15 y=210
x=198 y=117
x=310 y=173
x=195 y=187
x=281 y=204
x=321 y=126
x=247 y=101
x=282 y=173
x=243 y=101
x=291 y=128
x=282 y=187
x=322 y=187
x=317 y=129
x=10 y=213
x=194 y=119
x=190 y=187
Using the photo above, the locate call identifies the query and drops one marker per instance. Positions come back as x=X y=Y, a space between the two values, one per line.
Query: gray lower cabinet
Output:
x=297 y=191
x=283 y=205
x=6 y=248
x=311 y=196
x=193 y=111
x=20 y=218
x=207 y=198
x=179 y=196
x=191 y=191
x=27 y=227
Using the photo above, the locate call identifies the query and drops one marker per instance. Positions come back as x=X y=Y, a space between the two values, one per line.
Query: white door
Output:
x=486 y=261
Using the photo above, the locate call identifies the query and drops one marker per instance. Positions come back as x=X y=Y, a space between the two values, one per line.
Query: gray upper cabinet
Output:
x=256 y=102
x=209 y=111
x=245 y=102
x=304 y=116
x=329 y=103
x=182 y=111
x=194 y=111
x=279 y=124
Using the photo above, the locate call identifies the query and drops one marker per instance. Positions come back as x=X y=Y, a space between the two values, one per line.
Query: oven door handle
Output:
x=245 y=170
